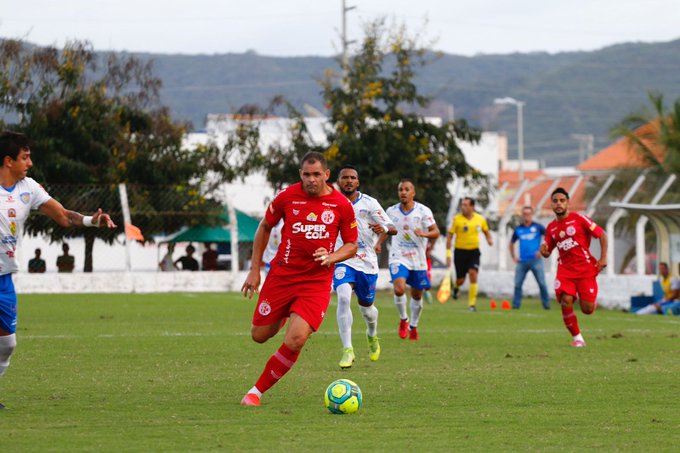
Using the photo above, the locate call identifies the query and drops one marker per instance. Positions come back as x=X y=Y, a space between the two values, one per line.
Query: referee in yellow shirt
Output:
x=466 y=227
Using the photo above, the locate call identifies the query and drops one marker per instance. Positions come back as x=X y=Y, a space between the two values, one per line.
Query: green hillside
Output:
x=565 y=93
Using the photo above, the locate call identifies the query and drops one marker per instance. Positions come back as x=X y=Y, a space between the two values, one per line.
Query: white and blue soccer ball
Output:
x=343 y=397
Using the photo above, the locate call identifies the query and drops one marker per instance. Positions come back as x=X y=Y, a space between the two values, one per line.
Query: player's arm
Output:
x=252 y=283
x=65 y=218
x=547 y=246
x=449 y=241
x=604 y=245
x=431 y=233
x=347 y=251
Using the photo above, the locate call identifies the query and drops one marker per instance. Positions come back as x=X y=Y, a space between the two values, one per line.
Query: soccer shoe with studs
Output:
x=403 y=328
x=578 y=344
x=347 y=358
x=250 y=399
x=373 y=348
x=472 y=308
x=413 y=333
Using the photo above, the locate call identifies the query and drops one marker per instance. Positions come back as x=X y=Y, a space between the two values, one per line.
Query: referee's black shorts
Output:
x=465 y=260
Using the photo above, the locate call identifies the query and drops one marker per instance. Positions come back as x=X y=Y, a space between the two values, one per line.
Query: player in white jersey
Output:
x=360 y=273
x=19 y=195
x=408 y=263
x=272 y=246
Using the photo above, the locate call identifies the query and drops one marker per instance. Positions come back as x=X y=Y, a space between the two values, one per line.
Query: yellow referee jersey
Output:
x=467 y=231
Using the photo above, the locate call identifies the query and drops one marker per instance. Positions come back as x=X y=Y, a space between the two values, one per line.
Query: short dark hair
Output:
x=407 y=180
x=470 y=199
x=312 y=157
x=348 y=167
x=559 y=190
x=11 y=143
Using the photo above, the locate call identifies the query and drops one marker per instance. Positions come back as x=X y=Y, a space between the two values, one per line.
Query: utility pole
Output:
x=345 y=41
x=586 y=145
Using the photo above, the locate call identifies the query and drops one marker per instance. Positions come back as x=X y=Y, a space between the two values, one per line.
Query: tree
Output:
x=374 y=124
x=654 y=136
x=96 y=121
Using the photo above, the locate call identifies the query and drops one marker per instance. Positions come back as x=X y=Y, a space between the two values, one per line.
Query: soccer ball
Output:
x=343 y=397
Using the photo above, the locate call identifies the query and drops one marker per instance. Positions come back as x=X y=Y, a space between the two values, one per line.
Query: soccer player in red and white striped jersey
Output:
x=577 y=269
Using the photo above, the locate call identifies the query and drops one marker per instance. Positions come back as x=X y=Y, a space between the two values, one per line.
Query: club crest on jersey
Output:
x=25 y=197
x=571 y=230
x=557 y=284
x=11 y=212
x=340 y=272
x=312 y=217
x=264 y=308
x=327 y=217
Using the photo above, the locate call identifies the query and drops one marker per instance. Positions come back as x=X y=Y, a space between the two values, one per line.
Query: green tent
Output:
x=247 y=226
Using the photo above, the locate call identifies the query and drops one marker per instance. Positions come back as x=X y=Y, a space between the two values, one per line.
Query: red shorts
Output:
x=279 y=298
x=584 y=288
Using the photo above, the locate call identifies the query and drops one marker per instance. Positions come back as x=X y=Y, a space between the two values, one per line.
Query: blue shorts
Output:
x=364 y=284
x=8 y=304
x=415 y=279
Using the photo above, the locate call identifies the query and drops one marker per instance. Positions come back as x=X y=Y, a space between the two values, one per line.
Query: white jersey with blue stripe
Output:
x=16 y=204
x=367 y=210
x=407 y=248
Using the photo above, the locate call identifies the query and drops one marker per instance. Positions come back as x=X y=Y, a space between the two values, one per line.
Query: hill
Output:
x=565 y=93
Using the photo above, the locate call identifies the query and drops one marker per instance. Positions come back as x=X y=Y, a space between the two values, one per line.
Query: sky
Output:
x=308 y=27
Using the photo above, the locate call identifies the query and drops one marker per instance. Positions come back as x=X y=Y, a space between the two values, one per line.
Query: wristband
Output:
x=385 y=229
x=448 y=253
x=87 y=221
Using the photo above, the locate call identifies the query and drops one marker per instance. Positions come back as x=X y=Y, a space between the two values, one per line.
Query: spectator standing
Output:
x=209 y=260
x=529 y=234
x=65 y=263
x=187 y=261
x=36 y=265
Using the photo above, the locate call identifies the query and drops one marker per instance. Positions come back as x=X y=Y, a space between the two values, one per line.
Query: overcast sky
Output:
x=308 y=27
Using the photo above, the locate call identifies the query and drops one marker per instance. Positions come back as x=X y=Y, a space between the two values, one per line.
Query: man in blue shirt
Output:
x=529 y=235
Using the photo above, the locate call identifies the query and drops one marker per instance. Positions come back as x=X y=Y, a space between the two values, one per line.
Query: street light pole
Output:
x=520 y=130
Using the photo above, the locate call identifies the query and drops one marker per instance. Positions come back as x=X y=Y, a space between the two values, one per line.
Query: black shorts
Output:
x=465 y=260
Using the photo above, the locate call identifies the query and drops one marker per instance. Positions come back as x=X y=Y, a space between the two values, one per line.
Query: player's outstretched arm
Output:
x=545 y=250
x=55 y=211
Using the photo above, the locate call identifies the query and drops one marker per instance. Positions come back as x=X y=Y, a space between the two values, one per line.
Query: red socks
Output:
x=569 y=318
x=277 y=366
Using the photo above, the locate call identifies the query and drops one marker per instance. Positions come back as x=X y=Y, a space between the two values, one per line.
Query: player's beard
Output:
x=347 y=192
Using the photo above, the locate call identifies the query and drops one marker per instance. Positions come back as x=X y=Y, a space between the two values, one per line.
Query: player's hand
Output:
x=515 y=260
x=322 y=256
x=418 y=232
x=102 y=219
x=252 y=283
x=377 y=228
x=601 y=265
x=544 y=250
x=378 y=248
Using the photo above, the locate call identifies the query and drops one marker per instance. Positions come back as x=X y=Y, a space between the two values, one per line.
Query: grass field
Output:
x=166 y=372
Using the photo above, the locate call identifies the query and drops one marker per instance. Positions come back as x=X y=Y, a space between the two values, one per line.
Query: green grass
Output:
x=166 y=372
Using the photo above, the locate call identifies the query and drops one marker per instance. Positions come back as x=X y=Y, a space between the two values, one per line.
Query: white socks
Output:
x=370 y=315
x=7 y=345
x=400 y=302
x=344 y=314
x=416 y=309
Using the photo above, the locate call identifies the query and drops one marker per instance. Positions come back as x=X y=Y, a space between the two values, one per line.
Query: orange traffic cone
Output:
x=505 y=305
x=493 y=304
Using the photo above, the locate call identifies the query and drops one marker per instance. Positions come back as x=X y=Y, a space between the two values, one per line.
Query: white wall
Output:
x=615 y=292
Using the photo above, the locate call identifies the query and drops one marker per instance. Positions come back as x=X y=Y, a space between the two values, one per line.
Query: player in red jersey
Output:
x=298 y=286
x=577 y=269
